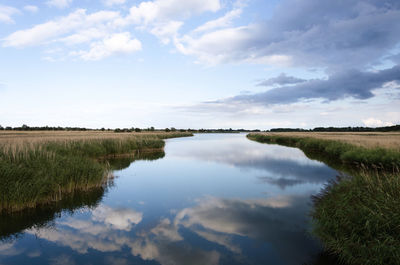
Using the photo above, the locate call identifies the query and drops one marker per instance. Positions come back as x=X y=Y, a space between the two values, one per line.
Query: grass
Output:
x=38 y=168
x=369 y=140
x=12 y=225
x=358 y=218
x=338 y=153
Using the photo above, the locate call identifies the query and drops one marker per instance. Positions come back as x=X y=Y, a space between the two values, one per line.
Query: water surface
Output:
x=213 y=199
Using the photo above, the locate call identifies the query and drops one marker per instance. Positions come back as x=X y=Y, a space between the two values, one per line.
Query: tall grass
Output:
x=13 y=224
x=358 y=218
x=387 y=140
x=337 y=152
x=38 y=171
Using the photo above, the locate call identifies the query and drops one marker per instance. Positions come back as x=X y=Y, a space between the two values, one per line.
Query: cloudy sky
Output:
x=200 y=63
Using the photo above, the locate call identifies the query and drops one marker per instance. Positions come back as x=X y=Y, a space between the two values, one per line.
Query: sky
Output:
x=254 y=64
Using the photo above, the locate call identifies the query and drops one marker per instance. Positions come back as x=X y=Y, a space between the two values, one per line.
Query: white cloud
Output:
x=84 y=36
x=161 y=17
x=59 y=3
x=101 y=30
x=166 y=31
x=113 y=2
x=31 y=8
x=47 y=32
x=115 y=44
x=6 y=13
x=150 y=11
x=373 y=122
x=221 y=22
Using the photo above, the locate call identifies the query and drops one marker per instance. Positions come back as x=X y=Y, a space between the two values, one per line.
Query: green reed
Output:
x=358 y=218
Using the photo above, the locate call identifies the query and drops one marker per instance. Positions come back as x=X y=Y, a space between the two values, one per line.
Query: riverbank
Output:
x=355 y=217
x=344 y=150
x=39 y=168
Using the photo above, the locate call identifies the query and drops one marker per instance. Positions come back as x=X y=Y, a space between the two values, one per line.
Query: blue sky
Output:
x=200 y=63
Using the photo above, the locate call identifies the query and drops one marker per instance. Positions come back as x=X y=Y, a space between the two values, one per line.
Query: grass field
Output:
x=388 y=140
x=40 y=167
x=355 y=217
x=17 y=137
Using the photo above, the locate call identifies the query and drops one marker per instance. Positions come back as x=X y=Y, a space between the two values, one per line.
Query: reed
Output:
x=336 y=152
x=13 y=224
x=369 y=140
x=41 y=168
x=358 y=218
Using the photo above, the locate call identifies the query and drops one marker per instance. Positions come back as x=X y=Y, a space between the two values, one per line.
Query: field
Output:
x=41 y=167
x=356 y=217
x=17 y=137
x=389 y=140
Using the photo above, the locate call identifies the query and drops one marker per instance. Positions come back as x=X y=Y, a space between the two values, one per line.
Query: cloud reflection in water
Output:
x=278 y=222
x=281 y=166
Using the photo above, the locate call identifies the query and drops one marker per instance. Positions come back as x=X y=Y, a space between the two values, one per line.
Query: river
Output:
x=212 y=199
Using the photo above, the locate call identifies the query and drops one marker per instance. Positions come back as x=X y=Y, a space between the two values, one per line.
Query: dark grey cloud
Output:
x=395 y=58
x=351 y=83
x=282 y=79
x=337 y=34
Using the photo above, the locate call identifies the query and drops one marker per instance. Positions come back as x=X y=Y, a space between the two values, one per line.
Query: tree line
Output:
x=340 y=129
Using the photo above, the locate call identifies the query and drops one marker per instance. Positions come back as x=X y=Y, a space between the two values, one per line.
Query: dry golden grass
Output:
x=18 y=137
x=25 y=141
x=389 y=140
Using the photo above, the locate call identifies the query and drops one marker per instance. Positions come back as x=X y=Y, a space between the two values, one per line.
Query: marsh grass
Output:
x=13 y=224
x=358 y=218
x=41 y=168
x=369 y=140
x=336 y=152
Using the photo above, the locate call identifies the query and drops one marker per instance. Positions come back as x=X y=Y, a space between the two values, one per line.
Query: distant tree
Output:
x=152 y=129
x=102 y=129
x=138 y=130
x=167 y=130
x=173 y=129
x=1 y=128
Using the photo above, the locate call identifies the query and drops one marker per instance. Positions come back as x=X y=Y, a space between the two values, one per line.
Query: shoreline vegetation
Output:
x=12 y=224
x=356 y=217
x=38 y=168
x=344 y=151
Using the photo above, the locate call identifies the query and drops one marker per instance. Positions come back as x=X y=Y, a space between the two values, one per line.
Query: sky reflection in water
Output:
x=213 y=199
